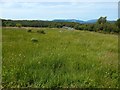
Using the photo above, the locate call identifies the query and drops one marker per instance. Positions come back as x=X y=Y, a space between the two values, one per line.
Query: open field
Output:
x=60 y=58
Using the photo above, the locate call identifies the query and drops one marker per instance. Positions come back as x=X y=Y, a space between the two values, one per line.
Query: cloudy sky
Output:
x=61 y=9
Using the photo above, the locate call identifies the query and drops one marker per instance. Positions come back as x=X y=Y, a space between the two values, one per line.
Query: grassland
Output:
x=60 y=58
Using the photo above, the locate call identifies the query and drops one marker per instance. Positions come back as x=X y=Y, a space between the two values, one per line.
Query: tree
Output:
x=19 y=25
x=102 y=20
x=118 y=23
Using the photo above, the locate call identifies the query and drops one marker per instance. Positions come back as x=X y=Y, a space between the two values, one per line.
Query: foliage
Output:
x=102 y=25
x=118 y=23
x=18 y=25
x=102 y=20
x=41 y=31
x=29 y=30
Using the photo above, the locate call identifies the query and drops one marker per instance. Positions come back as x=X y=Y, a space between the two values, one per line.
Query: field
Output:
x=59 y=59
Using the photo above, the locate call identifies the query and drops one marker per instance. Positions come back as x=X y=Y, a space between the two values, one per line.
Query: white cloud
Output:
x=51 y=10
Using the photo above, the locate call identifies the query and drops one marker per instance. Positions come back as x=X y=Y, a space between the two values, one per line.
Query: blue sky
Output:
x=58 y=10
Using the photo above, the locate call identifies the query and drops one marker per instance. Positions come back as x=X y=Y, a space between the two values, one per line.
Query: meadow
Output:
x=59 y=58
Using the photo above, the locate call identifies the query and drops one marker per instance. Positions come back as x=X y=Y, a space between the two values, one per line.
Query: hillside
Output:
x=79 y=21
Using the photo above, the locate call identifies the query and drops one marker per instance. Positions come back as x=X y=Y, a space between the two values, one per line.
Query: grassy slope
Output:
x=60 y=58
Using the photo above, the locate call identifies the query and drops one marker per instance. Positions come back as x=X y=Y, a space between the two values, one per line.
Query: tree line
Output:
x=36 y=23
x=102 y=25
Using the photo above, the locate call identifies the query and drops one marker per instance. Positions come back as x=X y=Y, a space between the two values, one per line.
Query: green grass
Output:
x=61 y=58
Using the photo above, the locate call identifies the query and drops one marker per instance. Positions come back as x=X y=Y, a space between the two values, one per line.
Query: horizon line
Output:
x=59 y=19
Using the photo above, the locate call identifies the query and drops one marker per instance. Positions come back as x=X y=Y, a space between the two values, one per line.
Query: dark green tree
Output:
x=102 y=20
x=118 y=23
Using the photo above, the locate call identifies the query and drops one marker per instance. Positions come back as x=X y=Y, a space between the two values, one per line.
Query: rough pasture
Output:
x=61 y=58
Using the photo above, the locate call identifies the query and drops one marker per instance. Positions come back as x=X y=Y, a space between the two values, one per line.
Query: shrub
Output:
x=19 y=25
x=91 y=27
x=38 y=31
x=41 y=31
x=29 y=30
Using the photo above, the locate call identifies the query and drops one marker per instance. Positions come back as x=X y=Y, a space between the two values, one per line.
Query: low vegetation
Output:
x=29 y=30
x=41 y=31
x=102 y=25
x=60 y=59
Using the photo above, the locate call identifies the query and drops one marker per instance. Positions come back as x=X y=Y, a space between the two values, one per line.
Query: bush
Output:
x=29 y=30
x=19 y=25
x=41 y=31
x=91 y=27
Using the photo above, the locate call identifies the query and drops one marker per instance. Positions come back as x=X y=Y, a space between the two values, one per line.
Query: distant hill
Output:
x=68 y=20
x=78 y=21
x=92 y=21
x=75 y=20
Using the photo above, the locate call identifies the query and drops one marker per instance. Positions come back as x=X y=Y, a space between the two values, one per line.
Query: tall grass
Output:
x=61 y=58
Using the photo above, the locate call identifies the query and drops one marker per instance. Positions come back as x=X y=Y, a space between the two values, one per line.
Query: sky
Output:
x=61 y=9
